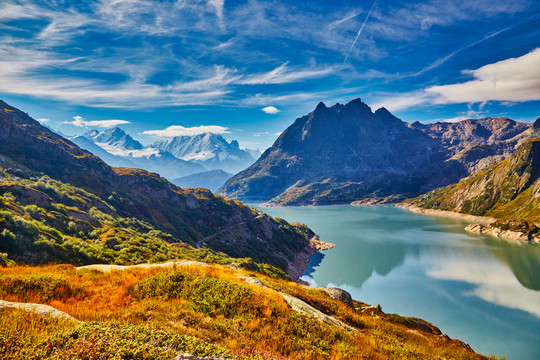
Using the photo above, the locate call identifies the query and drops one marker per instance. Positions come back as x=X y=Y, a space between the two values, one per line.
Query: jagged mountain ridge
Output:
x=29 y=151
x=347 y=153
x=208 y=149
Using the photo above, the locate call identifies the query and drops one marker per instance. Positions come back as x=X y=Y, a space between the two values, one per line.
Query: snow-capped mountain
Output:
x=118 y=148
x=210 y=150
x=114 y=137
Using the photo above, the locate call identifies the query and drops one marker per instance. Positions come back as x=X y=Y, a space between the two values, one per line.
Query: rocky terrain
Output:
x=347 y=153
x=508 y=192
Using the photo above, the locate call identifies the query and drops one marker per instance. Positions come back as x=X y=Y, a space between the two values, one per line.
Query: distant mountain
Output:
x=113 y=160
x=117 y=148
x=211 y=180
x=255 y=153
x=210 y=150
x=114 y=137
x=61 y=203
x=347 y=153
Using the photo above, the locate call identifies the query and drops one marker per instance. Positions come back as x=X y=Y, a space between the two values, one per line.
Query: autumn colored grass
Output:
x=206 y=310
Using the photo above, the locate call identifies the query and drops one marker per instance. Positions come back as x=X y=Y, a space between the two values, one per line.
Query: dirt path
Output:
x=198 y=245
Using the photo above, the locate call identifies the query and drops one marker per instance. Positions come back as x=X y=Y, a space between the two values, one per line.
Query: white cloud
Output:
x=43 y=121
x=282 y=75
x=177 y=130
x=491 y=282
x=270 y=110
x=403 y=101
x=81 y=122
x=514 y=79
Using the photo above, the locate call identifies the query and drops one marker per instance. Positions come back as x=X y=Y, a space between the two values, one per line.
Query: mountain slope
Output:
x=117 y=148
x=348 y=153
x=210 y=150
x=86 y=191
x=508 y=189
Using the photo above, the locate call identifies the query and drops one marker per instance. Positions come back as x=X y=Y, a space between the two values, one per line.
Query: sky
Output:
x=248 y=69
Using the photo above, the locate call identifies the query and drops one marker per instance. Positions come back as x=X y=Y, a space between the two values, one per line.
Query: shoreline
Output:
x=474 y=219
x=479 y=225
x=300 y=263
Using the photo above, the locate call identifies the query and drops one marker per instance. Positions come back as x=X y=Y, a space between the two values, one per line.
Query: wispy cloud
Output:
x=282 y=75
x=79 y=121
x=270 y=110
x=43 y=120
x=177 y=130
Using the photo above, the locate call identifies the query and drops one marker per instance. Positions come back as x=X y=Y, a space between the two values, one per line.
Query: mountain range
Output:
x=61 y=203
x=210 y=150
x=182 y=156
x=348 y=153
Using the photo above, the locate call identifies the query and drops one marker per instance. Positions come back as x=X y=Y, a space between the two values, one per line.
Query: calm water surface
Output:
x=479 y=289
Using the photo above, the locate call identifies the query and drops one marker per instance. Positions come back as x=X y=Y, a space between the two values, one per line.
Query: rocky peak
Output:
x=114 y=137
x=536 y=124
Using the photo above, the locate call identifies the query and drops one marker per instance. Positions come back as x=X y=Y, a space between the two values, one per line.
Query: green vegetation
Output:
x=202 y=310
x=507 y=191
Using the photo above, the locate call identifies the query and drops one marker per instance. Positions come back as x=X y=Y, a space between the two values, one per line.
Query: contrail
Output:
x=359 y=32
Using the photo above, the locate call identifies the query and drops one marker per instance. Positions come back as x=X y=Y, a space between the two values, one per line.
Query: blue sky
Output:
x=160 y=68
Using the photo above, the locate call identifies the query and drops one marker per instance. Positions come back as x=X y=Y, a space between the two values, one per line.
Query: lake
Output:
x=481 y=290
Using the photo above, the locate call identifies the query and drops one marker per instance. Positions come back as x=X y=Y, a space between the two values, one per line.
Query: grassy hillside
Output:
x=505 y=190
x=202 y=310
x=61 y=204
x=508 y=191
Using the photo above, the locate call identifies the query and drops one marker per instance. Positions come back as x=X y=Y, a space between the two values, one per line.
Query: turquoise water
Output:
x=482 y=290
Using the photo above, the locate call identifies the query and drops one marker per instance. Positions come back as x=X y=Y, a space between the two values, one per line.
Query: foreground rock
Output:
x=44 y=310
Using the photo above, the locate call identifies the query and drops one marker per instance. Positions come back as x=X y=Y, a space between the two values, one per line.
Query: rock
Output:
x=251 y=281
x=233 y=266
x=371 y=311
x=339 y=294
x=43 y=310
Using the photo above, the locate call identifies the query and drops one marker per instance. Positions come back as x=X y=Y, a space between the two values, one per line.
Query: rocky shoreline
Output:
x=480 y=225
x=520 y=236
x=301 y=260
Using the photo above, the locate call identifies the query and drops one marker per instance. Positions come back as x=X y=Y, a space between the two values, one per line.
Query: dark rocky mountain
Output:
x=211 y=180
x=117 y=148
x=347 y=153
x=51 y=187
x=210 y=150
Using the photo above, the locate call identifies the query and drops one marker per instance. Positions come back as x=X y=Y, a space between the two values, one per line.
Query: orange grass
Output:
x=261 y=326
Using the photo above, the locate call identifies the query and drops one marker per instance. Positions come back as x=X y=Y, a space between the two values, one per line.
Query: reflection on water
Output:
x=476 y=288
